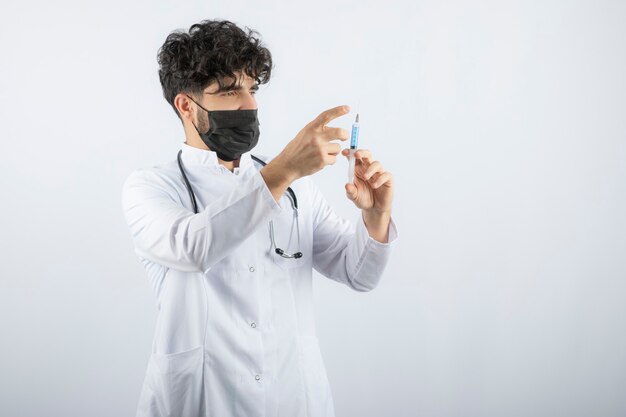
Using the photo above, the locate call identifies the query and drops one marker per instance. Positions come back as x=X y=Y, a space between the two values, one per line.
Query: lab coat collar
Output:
x=197 y=156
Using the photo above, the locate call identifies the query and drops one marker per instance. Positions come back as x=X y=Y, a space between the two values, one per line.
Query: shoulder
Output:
x=164 y=176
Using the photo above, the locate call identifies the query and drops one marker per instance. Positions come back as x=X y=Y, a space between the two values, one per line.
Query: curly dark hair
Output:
x=211 y=51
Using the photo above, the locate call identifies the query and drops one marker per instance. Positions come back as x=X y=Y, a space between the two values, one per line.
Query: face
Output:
x=239 y=97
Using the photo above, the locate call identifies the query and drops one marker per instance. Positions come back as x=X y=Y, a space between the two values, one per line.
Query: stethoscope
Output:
x=292 y=199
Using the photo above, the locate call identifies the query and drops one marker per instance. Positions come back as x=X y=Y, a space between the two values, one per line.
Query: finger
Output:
x=371 y=180
x=382 y=179
x=364 y=154
x=373 y=168
x=332 y=148
x=330 y=159
x=351 y=191
x=332 y=133
x=326 y=116
x=346 y=152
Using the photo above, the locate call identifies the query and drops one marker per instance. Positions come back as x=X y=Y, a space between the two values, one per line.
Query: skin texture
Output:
x=310 y=151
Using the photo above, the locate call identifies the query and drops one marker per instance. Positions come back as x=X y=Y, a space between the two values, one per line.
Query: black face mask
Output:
x=231 y=132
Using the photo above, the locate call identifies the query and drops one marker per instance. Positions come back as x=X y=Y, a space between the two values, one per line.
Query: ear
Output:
x=184 y=106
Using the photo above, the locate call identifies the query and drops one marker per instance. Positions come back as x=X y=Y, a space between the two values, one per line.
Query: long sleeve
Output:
x=344 y=253
x=167 y=233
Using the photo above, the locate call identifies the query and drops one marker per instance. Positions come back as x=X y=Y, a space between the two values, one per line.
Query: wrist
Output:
x=282 y=168
x=276 y=178
x=273 y=177
x=377 y=224
x=375 y=212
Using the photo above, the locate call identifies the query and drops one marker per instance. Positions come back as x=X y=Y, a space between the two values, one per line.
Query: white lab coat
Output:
x=235 y=332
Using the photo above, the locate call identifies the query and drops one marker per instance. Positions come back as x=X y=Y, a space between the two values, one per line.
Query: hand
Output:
x=311 y=150
x=373 y=186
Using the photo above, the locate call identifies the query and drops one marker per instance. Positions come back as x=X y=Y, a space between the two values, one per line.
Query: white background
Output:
x=503 y=122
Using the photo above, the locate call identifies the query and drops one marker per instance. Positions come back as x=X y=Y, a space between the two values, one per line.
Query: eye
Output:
x=233 y=93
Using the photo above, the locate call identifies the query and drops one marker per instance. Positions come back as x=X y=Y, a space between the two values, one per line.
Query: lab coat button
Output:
x=257 y=377
x=251 y=269
x=253 y=325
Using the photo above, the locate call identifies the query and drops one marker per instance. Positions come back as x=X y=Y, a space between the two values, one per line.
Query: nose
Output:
x=248 y=101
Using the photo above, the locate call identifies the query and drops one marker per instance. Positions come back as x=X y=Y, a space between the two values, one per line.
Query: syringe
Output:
x=354 y=142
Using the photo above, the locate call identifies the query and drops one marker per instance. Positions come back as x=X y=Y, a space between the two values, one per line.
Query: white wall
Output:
x=503 y=122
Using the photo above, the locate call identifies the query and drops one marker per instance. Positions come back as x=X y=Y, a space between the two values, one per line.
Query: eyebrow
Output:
x=238 y=87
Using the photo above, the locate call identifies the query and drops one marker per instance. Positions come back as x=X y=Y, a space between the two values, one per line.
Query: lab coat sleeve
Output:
x=169 y=234
x=345 y=253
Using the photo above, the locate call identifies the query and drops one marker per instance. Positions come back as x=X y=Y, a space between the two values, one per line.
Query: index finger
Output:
x=326 y=116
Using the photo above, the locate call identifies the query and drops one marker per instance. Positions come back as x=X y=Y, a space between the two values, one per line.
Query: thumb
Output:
x=351 y=192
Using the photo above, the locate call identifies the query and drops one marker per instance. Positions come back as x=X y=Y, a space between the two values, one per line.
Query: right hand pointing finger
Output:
x=326 y=116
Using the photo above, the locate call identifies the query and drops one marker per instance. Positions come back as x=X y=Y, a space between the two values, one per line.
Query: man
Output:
x=229 y=244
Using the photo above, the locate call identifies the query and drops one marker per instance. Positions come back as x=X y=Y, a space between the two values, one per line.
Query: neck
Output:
x=230 y=165
x=196 y=142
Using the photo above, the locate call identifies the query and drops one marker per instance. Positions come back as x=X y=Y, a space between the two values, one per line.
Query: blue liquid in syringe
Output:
x=354 y=140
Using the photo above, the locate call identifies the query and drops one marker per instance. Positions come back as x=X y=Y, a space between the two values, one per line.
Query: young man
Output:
x=229 y=244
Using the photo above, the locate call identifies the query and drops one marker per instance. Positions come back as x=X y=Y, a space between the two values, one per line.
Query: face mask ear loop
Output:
x=196 y=103
x=194 y=126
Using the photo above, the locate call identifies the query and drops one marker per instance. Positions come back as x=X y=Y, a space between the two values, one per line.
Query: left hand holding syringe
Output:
x=372 y=189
